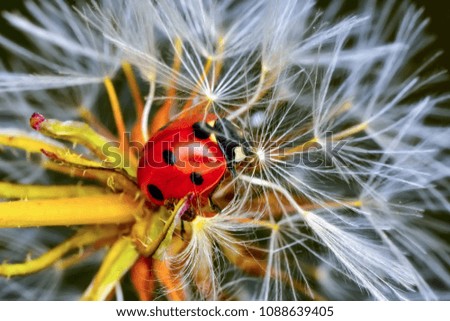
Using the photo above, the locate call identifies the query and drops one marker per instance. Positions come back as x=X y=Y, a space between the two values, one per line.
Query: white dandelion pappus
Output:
x=345 y=193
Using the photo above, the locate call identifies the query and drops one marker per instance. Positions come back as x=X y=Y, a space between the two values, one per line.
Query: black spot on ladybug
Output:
x=199 y=131
x=168 y=157
x=155 y=192
x=196 y=178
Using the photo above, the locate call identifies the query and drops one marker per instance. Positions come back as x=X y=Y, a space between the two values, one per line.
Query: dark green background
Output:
x=437 y=10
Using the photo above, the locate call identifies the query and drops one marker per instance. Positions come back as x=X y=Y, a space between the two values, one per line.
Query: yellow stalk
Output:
x=136 y=134
x=312 y=207
x=74 y=259
x=278 y=206
x=74 y=132
x=162 y=116
x=350 y=131
x=94 y=122
x=101 y=209
x=345 y=106
x=141 y=275
x=262 y=223
x=81 y=238
x=205 y=72
x=251 y=265
x=178 y=52
x=118 y=261
x=169 y=280
x=115 y=106
x=53 y=151
x=296 y=149
x=28 y=143
x=134 y=88
x=13 y=191
x=120 y=124
x=117 y=182
x=264 y=84
x=71 y=159
x=218 y=64
x=153 y=234
x=310 y=143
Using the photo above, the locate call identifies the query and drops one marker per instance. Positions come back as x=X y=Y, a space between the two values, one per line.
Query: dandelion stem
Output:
x=101 y=209
x=82 y=238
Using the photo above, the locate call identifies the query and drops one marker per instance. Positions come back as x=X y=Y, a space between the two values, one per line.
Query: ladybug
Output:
x=190 y=156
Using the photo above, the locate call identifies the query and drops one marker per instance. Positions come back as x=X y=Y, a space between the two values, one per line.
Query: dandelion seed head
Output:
x=261 y=154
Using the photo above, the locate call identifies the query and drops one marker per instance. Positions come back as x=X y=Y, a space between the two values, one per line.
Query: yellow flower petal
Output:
x=24 y=141
x=69 y=158
x=81 y=238
x=101 y=209
x=55 y=152
x=117 y=262
x=18 y=191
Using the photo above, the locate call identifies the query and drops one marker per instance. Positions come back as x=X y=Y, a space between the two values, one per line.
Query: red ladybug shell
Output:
x=179 y=160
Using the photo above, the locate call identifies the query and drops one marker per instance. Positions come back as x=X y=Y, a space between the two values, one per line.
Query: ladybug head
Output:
x=231 y=141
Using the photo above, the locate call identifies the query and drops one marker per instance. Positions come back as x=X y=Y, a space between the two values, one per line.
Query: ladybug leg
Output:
x=213 y=205
x=230 y=166
x=188 y=214
x=182 y=230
